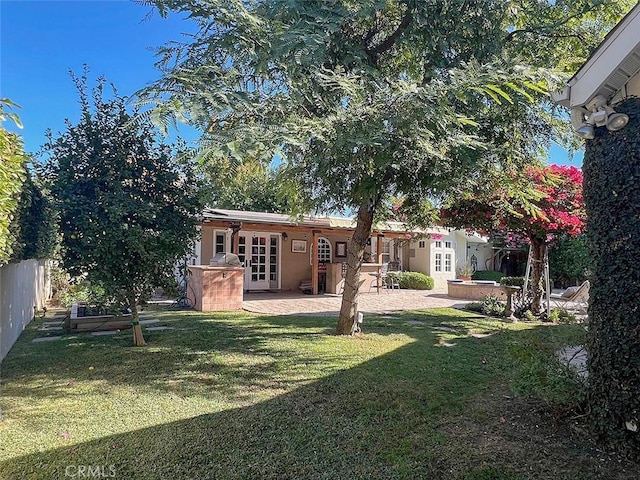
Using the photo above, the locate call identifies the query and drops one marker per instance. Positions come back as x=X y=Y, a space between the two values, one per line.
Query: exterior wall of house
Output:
x=483 y=253
x=419 y=256
x=295 y=267
x=206 y=245
x=443 y=259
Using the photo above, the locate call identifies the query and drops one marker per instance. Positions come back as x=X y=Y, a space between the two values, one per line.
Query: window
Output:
x=386 y=251
x=438 y=244
x=447 y=244
x=438 y=262
x=422 y=244
x=447 y=262
x=219 y=243
x=324 y=250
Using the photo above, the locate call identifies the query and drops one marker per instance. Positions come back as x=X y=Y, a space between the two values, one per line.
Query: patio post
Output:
x=314 y=263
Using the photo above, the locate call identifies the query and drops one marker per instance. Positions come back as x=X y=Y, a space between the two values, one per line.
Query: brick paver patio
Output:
x=289 y=303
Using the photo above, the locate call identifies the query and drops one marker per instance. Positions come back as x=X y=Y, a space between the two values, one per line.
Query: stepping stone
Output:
x=414 y=322
x=52 y=324
x=106 y=332
x=147 y=322
x=480 y=335
x=445 y=329
x=576 y=357
x=45 y=339
x=46 y=328
x=157 y=329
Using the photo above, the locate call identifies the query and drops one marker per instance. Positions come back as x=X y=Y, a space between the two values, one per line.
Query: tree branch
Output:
x=388 y=42
x=535 y=32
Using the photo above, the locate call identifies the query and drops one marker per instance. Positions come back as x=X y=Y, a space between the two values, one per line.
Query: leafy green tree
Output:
x=12 y=175
x=372 y=99
x=569 y=261
x=554 y=206
x=250 y=186
x=128 y=212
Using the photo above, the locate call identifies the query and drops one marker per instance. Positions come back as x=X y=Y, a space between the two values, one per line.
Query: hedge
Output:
x=612 y=200
x=415 y=281
x=487 y=275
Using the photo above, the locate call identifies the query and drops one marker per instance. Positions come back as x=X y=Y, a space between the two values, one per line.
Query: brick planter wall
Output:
x=473 y=291
x=214 y=289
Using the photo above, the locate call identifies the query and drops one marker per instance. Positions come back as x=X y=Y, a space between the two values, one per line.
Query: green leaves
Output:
x=12 y=175
x=128 y=210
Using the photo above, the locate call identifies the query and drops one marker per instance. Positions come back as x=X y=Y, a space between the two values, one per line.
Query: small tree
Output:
x=128 y=212
x=545 y=202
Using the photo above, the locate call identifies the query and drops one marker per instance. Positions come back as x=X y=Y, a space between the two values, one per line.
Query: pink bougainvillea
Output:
x=558 y=208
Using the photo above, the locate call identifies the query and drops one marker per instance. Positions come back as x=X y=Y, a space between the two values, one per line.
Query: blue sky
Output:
x=42 y=40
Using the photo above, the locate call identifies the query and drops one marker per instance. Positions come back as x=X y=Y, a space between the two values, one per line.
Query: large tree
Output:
x=539 y=205
x=246 y=185
x=128 y=212
x=371 y=99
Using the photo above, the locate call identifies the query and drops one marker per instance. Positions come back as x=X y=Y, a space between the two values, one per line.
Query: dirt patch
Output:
x=524 y=438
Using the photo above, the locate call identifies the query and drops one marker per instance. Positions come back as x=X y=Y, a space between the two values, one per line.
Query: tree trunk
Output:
x=355 y=254
x=538 y=253
x=138 y=338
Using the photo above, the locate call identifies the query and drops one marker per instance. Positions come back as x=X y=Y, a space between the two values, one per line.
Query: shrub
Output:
x=475 y=307
x=569 y=262
x=492 y=305
x=512 y=281
x=612 y=197
x=560 y=315
x=415 y=280
x=487 y=275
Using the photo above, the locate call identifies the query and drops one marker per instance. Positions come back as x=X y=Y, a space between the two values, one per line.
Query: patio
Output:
x=290 y=303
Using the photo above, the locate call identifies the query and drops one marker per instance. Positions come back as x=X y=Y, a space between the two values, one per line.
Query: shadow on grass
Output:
x=371 y=416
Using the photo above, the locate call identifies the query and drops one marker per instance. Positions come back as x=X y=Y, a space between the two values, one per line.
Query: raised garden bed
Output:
x=82 y=319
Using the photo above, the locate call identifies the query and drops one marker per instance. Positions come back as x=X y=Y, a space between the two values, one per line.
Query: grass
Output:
x=438 y=394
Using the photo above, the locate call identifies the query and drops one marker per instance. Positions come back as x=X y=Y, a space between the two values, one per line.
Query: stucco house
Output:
x=277 y=251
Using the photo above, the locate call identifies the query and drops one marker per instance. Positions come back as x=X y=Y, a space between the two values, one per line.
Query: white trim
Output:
x=602 y=73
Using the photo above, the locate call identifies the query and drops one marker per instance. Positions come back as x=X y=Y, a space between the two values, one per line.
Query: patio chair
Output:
x=379 y=278
x=391 y=279
x=573 y=299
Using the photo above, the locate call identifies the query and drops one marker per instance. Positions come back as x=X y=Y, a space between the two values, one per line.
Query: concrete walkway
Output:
x=289 y=303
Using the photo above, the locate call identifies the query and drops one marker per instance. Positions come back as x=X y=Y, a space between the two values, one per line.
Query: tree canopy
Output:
x=128 y=211
x=372 y=99
x=250 y=186
x=551 y=205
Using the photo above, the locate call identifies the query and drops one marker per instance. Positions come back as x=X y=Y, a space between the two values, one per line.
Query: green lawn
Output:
x=419 y=395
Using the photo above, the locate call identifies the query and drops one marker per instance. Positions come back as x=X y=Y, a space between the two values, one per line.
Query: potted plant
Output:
x=464 y=272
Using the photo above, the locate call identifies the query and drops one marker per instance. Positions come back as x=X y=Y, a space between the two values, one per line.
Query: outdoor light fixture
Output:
x=596 y=114
x=615 y=121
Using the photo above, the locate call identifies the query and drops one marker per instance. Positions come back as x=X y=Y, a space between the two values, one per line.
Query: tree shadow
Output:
x=385 y=417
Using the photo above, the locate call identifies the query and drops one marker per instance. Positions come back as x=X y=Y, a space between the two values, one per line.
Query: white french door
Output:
x=260 y=253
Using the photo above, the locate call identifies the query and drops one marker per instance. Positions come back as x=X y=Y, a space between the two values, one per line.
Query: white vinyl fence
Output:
x=23 y=286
